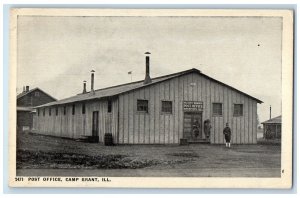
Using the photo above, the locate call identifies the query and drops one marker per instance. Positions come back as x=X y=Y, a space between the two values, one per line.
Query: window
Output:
x=38 y=112
x=56 y=110
x=36 y=93
x=43 y=112
x=142 y=106
x=238 y=110
x=73 y=109
x=217 y=109
x=83 y=108
x=109 y=106
x=49 y=111
x=65 y=110
x=166 y=106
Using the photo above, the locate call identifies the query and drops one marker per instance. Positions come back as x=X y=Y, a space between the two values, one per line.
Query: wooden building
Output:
x=272 y=128
x=25 y=103
x=163 y=110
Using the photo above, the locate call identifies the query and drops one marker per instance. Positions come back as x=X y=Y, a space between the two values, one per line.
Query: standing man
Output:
x=207 y=128
x=227 y=134
x=196 y=130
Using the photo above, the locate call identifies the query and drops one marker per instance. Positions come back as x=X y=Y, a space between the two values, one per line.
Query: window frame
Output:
x=37 y=94
x=161 y=107
x=238 y=115
x=215 y=114
x=137 y=106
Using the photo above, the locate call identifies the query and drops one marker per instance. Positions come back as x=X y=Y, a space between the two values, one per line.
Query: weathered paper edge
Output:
x=167 y=182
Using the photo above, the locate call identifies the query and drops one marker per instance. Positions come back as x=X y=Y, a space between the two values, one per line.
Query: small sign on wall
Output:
x=192 y=106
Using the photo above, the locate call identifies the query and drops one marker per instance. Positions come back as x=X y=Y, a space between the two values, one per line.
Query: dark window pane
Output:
x=83 y=108
x=238 y=110
x=109 y=106
x=217 y=109
x=166 y=106
x=73 y=109
x=142 y=106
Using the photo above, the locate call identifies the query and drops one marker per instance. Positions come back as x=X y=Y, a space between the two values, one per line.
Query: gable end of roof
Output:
x=21 y=95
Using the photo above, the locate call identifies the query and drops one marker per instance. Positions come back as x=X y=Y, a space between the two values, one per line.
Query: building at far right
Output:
x=272 y=128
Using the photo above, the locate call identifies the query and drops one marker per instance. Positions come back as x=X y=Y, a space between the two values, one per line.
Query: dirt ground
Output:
x=39 y=155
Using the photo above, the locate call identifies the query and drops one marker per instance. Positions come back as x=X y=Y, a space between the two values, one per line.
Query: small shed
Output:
x=272 y=128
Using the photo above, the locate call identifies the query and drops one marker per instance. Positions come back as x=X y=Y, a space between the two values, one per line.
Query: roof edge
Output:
x=200 y=73
x=177 y=74
x=34 y=89
x=267 y=121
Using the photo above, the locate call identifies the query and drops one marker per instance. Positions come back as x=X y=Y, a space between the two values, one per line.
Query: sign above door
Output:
x=192 y=106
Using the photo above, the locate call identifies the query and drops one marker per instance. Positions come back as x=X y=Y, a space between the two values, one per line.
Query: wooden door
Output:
x=95 y=124
x=192 y=129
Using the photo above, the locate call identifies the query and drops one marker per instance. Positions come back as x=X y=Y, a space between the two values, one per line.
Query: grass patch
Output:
x=28 y=159
x=184 y=154
x=269 y=141
x=51 y=160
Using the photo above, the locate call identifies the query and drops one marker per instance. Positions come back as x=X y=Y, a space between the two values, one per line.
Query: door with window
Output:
x=193 y=126
x=95 y=124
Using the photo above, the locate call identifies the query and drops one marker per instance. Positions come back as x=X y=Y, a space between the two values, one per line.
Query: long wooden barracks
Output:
x=168 y=109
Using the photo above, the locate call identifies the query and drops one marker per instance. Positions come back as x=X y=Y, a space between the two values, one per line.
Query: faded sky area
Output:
x=57 y=53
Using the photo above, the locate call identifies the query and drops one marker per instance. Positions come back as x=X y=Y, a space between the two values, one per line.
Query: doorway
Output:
x=95 y=124
x=192 y=129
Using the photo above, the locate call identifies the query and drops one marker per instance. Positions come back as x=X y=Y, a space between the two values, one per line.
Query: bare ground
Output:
x=40 y=155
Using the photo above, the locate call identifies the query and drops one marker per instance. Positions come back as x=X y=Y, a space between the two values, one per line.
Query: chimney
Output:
x=84 y=87
x=92 y=81
x=270 y=112
x=147 y=76
x=27 y=88
x=24 y=89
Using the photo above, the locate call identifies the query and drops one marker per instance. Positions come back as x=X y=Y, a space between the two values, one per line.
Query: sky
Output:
x=57 y=53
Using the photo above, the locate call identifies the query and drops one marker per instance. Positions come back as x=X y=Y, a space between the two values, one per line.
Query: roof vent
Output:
x=92 y=81
x=147 y=75
x=84 y=87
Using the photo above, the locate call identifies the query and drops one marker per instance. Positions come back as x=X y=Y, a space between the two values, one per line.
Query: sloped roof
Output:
x=119 y=89
x=32 y=90
x=276 y=120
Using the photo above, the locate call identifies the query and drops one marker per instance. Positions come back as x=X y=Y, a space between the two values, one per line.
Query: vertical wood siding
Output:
x=129 y=126
x=77 y=125
x=156 y=127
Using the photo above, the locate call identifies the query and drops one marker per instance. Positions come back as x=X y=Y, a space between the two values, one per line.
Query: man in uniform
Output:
x=207 y=128
x=196 y=127
x=227 y=134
